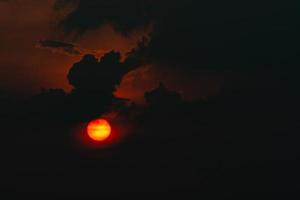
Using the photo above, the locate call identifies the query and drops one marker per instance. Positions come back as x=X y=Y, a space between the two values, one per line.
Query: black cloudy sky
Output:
x=241 y=57
x=191 y=45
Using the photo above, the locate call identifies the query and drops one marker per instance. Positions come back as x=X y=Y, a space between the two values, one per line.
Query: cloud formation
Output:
x=66 y=48
x=60 y=47
x=91 y=75
x=94 y=83
x=125 y=16
x=211 y=35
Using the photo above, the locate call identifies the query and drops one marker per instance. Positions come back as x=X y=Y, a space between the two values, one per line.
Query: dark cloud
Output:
x=103 y=76
x=197 y=35
x=219 y=146
x=162 y=96
x=61 y=47
x=94 y=82
x=64 y=3
x=70 y=49
x=125 y=16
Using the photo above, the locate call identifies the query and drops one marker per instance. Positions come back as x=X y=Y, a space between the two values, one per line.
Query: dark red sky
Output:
x=27 y=68
x=243 y=53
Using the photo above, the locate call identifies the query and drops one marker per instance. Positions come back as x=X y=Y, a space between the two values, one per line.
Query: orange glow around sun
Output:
x=99 y=130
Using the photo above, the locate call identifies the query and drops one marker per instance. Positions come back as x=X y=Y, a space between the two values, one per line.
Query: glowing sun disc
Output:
x=99 y=130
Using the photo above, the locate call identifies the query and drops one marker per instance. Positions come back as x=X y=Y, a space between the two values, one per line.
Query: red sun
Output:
x=99 y=130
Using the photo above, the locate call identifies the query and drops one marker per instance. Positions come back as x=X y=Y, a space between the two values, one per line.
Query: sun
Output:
x=99 y=130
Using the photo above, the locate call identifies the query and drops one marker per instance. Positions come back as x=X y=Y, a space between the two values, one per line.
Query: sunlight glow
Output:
x=99 y=129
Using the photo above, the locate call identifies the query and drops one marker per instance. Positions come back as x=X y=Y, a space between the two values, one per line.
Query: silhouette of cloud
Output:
x=60 y=47
x=64 y=3
x=102 y=76
x=126 y=16
x=67 y=48
x=201 y=35
x=162 y=96
x=94 y=82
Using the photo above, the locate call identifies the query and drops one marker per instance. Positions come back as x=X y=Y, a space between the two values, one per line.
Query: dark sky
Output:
x=25 y=63
x=187 y=41
x=201 y=96
x=192 y=38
